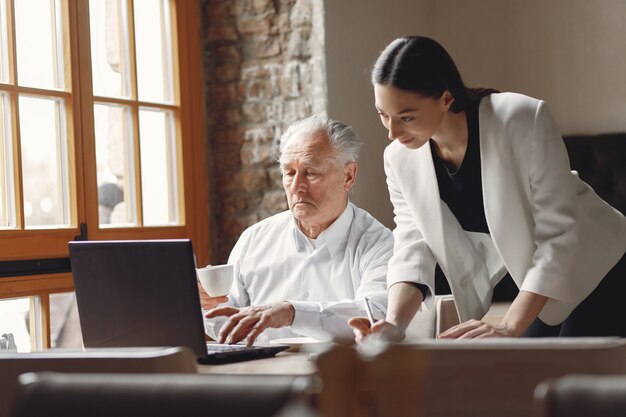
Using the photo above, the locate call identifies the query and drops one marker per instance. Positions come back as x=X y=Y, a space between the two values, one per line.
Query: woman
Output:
x=481 y=187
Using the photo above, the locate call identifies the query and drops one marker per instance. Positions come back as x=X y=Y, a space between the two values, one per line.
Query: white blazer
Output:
x=550 y=230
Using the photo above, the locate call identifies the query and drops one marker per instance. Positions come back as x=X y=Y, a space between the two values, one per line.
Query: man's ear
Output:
x=350 y=171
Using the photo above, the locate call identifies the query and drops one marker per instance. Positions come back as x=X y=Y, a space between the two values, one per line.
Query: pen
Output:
x=368 y=309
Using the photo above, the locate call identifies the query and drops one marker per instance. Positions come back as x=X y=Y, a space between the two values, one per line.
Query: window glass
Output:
x=153 y=50
x=44 y=162
x=113 y=124
x=115 y=165
x=64 y=323
x=109 y=48
x=16 y=315
x=38 y=38
x=4 y=50
x=159 y=189
x=7 y=194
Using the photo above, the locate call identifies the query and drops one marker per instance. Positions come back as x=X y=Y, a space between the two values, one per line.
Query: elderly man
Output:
x=306 y=271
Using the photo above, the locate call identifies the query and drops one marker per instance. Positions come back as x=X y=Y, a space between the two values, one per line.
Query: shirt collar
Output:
x=334 y=237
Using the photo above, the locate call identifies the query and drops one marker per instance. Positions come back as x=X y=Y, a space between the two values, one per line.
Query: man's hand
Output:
x=249 y=322
x=382 y=329
x=207 y=302
x=476 y=329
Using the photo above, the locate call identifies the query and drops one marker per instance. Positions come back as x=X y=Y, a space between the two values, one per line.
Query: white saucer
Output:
x=296 y=343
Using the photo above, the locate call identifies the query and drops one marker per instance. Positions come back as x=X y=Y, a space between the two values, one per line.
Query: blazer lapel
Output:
x=426 y=206
x=502 y=196
x=446 y=239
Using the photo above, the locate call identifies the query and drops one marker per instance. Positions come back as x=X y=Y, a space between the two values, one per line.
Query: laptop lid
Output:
x=138 y=293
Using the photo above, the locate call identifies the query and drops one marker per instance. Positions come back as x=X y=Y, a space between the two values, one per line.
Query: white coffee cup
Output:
x=216 y=279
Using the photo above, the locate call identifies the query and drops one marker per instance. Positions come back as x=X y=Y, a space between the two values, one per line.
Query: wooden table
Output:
x=284 y=363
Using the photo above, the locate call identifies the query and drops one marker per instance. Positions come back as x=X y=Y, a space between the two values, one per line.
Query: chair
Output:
x=131 y=395
x=601 y=162
x=447 y=316
x=340 y=371
x=581 y=396
x=498 y=377
x=487 y=378
x=428 y=323
x=126 y=360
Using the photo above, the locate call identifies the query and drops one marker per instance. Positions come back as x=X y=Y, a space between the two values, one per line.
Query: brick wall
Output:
x=264 y=68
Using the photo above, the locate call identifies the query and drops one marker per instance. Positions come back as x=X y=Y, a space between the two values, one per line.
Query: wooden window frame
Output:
x=34 y=244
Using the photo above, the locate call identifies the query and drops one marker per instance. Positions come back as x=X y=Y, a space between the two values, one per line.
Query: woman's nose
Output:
x=394 y=131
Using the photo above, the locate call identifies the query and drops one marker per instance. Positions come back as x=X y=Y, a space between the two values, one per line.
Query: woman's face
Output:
x=409 y=117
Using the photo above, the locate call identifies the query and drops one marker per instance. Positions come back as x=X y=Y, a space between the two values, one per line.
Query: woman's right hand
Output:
x=381 y=329
x=404 y=301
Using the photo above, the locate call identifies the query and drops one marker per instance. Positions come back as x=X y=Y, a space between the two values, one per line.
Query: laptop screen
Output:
x=138 y=293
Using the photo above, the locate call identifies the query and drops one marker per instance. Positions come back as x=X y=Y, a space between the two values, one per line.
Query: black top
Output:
x=462 y=189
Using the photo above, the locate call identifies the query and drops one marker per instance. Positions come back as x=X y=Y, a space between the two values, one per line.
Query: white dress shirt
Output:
x=325 y=279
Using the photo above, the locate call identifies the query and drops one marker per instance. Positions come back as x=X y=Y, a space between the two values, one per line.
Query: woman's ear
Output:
x=350 y=171
x=446 y=100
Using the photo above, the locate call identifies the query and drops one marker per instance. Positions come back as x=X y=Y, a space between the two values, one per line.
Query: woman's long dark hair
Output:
x=421 y=65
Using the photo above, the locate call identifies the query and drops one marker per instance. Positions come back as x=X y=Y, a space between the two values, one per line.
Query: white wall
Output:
x=355 y=33
x=571 y=53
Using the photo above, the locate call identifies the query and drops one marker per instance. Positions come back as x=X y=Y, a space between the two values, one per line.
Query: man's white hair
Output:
x=343 y=140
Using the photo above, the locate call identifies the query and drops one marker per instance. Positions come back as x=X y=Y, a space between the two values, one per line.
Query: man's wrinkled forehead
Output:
x=306 y=150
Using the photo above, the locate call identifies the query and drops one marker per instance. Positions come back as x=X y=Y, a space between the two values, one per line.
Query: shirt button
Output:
x=305 y=296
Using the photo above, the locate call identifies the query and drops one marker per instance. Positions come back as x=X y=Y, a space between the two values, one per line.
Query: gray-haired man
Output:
x=306 y=271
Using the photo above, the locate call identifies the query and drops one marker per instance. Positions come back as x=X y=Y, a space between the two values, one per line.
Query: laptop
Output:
x=144 y=293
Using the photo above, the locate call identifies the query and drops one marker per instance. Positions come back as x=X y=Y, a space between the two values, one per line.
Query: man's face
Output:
x=316 y=187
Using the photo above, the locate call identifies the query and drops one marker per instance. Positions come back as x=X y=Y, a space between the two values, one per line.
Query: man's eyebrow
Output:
x=307 y=163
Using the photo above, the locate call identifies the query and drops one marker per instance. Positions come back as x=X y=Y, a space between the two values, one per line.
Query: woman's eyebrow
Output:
x=407 y=110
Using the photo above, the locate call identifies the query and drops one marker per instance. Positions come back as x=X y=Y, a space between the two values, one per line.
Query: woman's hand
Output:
x=404 y=299
x=476 y=329
x=523 y=310
x=382 y=329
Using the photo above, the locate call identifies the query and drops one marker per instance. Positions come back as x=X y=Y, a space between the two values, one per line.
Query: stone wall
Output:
x=264 y=68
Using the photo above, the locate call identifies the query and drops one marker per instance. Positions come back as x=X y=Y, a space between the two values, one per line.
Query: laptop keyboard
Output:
x=222 y=353
x=216 y=347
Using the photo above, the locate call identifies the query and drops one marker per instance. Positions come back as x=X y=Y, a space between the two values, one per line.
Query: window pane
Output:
x=44 y=162
x=4 y=50
x=39 y=43
x=115 y=166
x=153 y=48
x=64 y=324
x=109 y=48
x=159 y=186
x=15 y=324
x=7 y=193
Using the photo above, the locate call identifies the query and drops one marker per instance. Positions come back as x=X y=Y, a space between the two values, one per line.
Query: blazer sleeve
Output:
x=412 y=260
x=554 y=209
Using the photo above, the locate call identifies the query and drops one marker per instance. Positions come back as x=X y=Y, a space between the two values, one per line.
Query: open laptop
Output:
x=144 y=293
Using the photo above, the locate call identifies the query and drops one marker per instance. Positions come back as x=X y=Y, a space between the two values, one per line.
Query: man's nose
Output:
x=298 y=183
